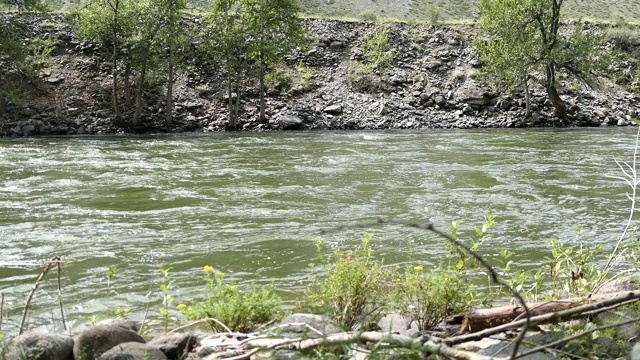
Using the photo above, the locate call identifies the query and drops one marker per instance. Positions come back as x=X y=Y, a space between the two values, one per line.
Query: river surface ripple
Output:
x=251 y=205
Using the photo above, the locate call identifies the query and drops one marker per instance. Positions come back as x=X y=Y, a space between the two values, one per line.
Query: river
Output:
x=251 y=205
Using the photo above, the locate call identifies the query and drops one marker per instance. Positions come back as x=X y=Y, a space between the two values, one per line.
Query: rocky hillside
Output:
x=432 y=84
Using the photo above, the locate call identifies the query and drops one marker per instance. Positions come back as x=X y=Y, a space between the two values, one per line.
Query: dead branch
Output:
x=427 y=345
x=565 y=340
x=580 y=311
x=64 y=323
x=495 y=277
x=33 y=290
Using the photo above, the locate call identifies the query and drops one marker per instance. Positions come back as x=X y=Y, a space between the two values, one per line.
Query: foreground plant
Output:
x=430 y=297
x=236 y=310
x=353 y=288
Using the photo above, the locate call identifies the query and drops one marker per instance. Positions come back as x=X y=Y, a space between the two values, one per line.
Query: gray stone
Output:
x=35 y=346
x=627 y=283
x=395 y=323
x=309 y=324
x=290 y=122
x=635 y=352
x=471 y=94
x=95 y=340
x=333 y=109
x=504 y=349
x=336 y=45
x=133 y=351
x=175 y=346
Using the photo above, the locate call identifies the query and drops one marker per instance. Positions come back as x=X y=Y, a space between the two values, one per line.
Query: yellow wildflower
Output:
x=189 y=309
x=418 y=268
x=208 y=268
x=181 y=307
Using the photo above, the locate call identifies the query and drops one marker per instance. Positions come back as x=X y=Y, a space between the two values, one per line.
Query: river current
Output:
x=251 y=205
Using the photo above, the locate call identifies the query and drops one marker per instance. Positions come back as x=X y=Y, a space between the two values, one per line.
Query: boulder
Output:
x=34 y=346
x=635 y=352
x=175 y=346
x=95 y=340
x=333 y=109
x=133 y=351
x=309 y=324
x=396 y=323
x=290 y=122
x=471 y=94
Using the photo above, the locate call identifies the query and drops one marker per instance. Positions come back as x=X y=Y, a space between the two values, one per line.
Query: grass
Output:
x=450 y=10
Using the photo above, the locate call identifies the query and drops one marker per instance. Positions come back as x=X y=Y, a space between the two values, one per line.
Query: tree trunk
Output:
x=170 y=87
x=3 y=103
x=116 y=105
x=143 y=70
x=527 y=97
x=232 y=117
x=262 y=118
x=127 y=82
x=552 y=92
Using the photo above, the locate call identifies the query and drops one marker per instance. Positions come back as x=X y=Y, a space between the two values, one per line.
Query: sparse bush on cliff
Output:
x=365 y=76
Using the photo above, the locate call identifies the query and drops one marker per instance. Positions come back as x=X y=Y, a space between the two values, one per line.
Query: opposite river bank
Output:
x=432 y=84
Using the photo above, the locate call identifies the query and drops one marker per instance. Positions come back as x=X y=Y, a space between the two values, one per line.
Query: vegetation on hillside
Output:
x=520 y=41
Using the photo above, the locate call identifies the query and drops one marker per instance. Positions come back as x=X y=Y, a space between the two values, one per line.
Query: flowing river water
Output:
x=251 y=205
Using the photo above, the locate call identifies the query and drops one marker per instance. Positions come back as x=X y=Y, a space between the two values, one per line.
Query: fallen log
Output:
x=617 y=300
x=478 y=320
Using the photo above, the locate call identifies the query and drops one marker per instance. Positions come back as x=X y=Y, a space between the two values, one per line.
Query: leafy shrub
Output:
x=239 y=311
x=352 y=289
x=377 y=49
x=428 y=298
x=278 y=80
x=623 y=38
x=368 y=15
x=360 y=77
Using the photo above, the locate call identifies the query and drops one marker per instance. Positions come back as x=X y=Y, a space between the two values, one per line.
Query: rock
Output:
x=175 y=346
x=133 y=351
x=290 y=122
x=440 y=100
x=471 y=94
x=627 y=283
x=95 y=340
x=335 y=45
x=635 y=352
x=396 y=323
x=35 y=346
x=333 y=109
x=504 y=349
x=55 y=79
x=309 y=324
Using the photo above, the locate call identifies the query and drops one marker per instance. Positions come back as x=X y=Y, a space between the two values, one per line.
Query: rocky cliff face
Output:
x=432 y=84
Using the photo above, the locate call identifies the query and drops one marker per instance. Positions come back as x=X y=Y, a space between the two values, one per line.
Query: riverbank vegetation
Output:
x=171 y=70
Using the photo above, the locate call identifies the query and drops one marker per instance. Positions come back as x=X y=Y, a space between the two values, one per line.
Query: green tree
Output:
x=13 y=52
x=520 y=39
x=274 y=28
x=110 y=22
x=172 y=37
x=224 y=36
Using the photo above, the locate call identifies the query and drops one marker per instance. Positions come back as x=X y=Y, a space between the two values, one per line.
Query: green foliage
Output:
x=352 y=288
x=239 y=311
x=521 y=37
x=368 y=15
x=278 y=79
x=624 y=38
x=167 y=299
x=376 y=49
x=430 y=297
x=40 y=52
x=379 y=59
